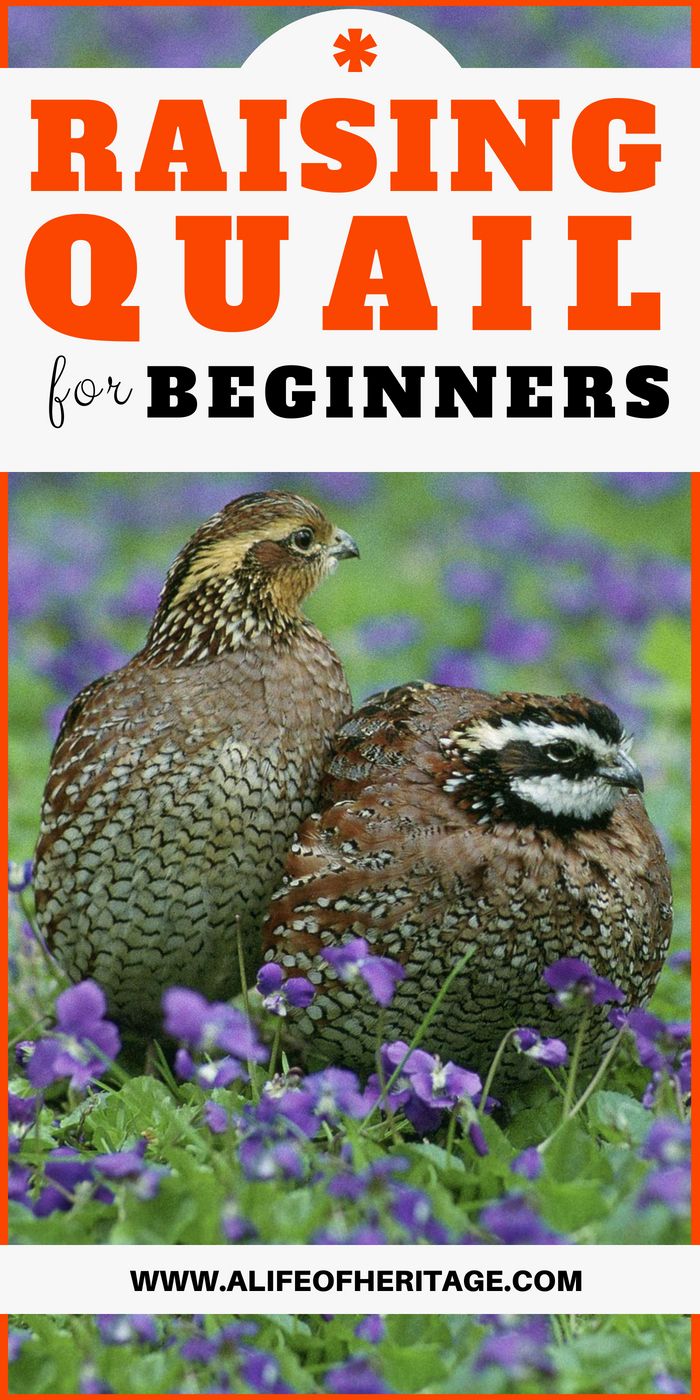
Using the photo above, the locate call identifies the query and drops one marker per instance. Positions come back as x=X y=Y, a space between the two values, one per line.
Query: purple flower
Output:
x=572 y=980
x=353 y=1186
x=18 y=1183
x=413 y=1210
x=81 y=1030
x=658 y=1042
x=473 y=583
x=574 y=597
x=477 y=1139
x=380 y=634
x=232 y=1332
x=517 y=1351
x=683 y=1074
x=664 y=1384
x=669 y=1186
x=19 y=875
x=119 y=1165
x=371 y=1328
x=439 y=1085
x=356 y=1377
x=64 y=1172
x=208 y=1026
x=265 y=1156
x=199 y=1348
x=146 y=1186
x=16 y=1340
x=116 y=1330
x=680 y=960
x=140 y=596
x=425 y=1087
x=513 y=1221
x=668 y=1141
x=88 y=657
x=213 y=1074
x=548 y=1051
x=92 y=1384
x=260 y=1370
x=528 y=1164
x=355 y=960
x=455 y=667
x=518 y=640
x=235 y=1227
x=646 y=486
x=21 y=1109
x=323 y=1098
x=511 y=525
x=623 y=591
x=216 y=1117
x=668 y=582
x=278 y=995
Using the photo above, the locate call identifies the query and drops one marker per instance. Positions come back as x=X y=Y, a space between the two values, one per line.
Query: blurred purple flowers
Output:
x=261 y=1371
x=206 y=1025
x=528 y=1164
x=513 y=1221
x=573 y=981
x=662 y=1046
x=517 y=1350
x=355 y=959
x=123 y=1330
x=668 y=1147
x=518 y=641
x=19 y=875
x=82 y=1043
x=371 y=1328
x=323 y=1098
x=382 y=634
x=355 y=1377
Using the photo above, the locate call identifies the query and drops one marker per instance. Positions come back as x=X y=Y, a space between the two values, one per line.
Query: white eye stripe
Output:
x=486 y=735
x=565 y=797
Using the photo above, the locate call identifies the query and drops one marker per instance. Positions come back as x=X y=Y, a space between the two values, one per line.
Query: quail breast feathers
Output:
x=452 y=820
x=177 y=783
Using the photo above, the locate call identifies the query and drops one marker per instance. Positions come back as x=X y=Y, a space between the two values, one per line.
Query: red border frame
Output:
x=694 y=8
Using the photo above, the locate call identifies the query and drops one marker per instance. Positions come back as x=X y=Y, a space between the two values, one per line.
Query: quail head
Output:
x=177 y=783
x=454 y=820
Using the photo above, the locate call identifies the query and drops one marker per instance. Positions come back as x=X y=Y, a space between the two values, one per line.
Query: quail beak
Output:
x=622 y=772
x=343 y=546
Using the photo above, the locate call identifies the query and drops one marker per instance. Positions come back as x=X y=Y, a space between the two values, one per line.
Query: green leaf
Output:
x=618 y=1117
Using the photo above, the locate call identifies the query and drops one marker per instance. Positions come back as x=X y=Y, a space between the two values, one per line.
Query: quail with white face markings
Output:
x=450 y=820
x=177 y=783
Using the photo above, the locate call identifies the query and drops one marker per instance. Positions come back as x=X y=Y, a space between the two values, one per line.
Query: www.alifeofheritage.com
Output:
x=357 y=1281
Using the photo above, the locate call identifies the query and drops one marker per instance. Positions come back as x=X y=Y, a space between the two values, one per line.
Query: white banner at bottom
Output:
x=260 y=1279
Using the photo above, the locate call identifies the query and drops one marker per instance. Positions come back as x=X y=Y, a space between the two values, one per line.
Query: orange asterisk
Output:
x=355 y=50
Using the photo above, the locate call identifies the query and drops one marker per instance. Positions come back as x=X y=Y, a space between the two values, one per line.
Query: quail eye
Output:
x=560 y=750
x=302 y=539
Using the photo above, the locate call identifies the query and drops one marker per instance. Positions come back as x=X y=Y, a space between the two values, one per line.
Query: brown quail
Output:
x=177 y=783
x=454 y=819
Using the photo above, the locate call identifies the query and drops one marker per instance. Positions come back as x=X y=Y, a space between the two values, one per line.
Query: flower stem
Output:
x=275 y=1050
x=575 y=1061
x=451 y=1133
x=600 y=1073
x=252 y=1068
x=427 y=1019
x=492 y=1070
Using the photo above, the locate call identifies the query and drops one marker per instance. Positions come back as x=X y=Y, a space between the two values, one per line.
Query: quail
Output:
x=177 y=782
x=454 y=820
